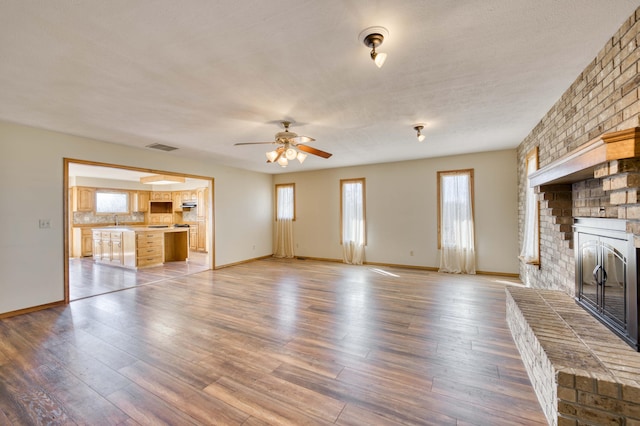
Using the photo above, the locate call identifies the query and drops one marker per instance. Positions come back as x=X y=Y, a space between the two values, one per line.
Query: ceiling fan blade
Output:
x=313 y=151
x=302 y=139
x=253 y=143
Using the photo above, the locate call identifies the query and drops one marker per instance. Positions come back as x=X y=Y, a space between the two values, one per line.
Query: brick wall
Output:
x=581 y=373
x=604 y=98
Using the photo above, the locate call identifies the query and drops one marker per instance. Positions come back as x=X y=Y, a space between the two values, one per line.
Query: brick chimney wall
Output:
x=604 y=98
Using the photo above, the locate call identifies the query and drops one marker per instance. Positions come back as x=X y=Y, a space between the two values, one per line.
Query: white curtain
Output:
x=530 y=252
x=353 y=229
x=457 y=253
x=284 y=222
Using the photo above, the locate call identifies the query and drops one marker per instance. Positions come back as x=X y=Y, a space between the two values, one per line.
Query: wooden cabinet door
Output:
x=87 y=243
x=193 y=237
x=97 y=246
x=117 y=252
x=141 y=201
x=202 y=237
x=202 y=203
x=83 y=199
x=161 y=195
x=177 y=201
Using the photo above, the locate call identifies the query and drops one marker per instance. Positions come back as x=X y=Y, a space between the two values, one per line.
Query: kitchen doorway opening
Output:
x=105 y=246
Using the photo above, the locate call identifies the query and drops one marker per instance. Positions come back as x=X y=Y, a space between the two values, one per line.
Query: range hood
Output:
x=188 y=204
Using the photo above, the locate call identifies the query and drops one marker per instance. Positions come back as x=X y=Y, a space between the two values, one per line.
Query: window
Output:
x=285 y=215
x=286 y=201
x=456 y=237
x=530 y=252
x=352 y=220
x=112 y=202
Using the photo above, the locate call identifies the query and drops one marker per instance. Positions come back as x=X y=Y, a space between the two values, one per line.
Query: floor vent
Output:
x=162 y=147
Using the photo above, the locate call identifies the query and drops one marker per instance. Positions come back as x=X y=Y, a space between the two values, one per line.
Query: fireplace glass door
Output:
x=603 y=281
x=607 y=275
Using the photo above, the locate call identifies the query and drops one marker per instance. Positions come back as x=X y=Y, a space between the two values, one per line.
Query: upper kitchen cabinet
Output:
x=160 y=196
x=177 y=201
x=202 y=194
x=83 y=199
x=140 y=201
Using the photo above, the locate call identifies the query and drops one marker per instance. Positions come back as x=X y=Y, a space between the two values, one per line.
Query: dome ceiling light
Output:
x=373 y=37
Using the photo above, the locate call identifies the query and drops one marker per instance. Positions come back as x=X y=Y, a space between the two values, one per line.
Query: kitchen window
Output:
x=110 y=202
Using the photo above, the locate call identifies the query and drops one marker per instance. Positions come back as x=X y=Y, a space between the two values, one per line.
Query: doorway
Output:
x=88 y=273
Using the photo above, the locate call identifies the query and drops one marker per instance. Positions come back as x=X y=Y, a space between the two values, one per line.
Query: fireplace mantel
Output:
x=579 y=164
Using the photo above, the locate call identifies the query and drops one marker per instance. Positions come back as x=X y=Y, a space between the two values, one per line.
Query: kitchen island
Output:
x=137 y=247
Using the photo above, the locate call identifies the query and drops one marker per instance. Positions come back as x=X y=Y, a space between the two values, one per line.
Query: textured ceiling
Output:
x=203 y=75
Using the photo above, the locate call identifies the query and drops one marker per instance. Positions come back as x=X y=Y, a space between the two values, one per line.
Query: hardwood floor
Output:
x=281 y=342
x=87 y=278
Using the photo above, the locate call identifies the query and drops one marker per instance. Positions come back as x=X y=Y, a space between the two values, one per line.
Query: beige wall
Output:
x=401 y=205
x=31 y=188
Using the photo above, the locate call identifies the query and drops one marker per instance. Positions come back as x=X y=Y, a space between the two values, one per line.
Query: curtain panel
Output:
x=457 y=249
x=353 y=226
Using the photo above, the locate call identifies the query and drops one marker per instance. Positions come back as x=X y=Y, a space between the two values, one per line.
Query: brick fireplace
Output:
x=581 y=371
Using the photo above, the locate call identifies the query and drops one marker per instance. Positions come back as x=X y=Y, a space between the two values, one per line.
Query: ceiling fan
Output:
x=287 y=142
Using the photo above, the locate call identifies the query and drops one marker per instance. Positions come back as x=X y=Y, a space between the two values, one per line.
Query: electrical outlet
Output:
x=411 y=253
x=44 y=223
x=254 y=247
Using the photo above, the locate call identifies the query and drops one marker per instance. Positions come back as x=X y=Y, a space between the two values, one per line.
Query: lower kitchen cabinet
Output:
x=140 y=248
x=149 y=249
x=108 y=247
x=202 y=237
x=193 y=237
x=82 y=242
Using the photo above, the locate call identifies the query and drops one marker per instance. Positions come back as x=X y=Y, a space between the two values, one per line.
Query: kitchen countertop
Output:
x=142 y=228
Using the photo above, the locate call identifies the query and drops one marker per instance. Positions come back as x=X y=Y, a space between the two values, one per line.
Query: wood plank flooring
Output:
x=87 y=278
x=272 y=342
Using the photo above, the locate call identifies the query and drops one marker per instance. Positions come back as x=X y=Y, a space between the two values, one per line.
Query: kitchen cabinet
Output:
x=177 y=201
x=82 y=242
x=193 y=237
x=149 y=248
x=161 y=218
x=139 y=247
x=202 y=237
x=202 y=195
x=83 y=199
x=140 y=201
x=108 y=247
x=160 y=195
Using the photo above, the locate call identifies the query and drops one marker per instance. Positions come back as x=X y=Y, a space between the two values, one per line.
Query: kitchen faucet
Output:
x=115 y=219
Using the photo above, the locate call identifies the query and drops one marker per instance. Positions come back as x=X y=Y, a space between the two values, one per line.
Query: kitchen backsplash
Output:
x=88 y=218
x=190 y=215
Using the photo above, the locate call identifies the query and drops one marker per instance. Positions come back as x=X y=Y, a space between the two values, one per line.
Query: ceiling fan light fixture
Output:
x=373 y=37
x=289 y=146
x=271 y=156
x=418 y=128
x=290 y=153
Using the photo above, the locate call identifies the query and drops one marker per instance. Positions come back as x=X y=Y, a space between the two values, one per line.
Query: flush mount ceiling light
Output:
x=418 y=128
x=161 y=179
x=373 y=37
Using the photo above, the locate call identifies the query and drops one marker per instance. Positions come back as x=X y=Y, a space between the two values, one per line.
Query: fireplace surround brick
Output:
x=581 y=373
